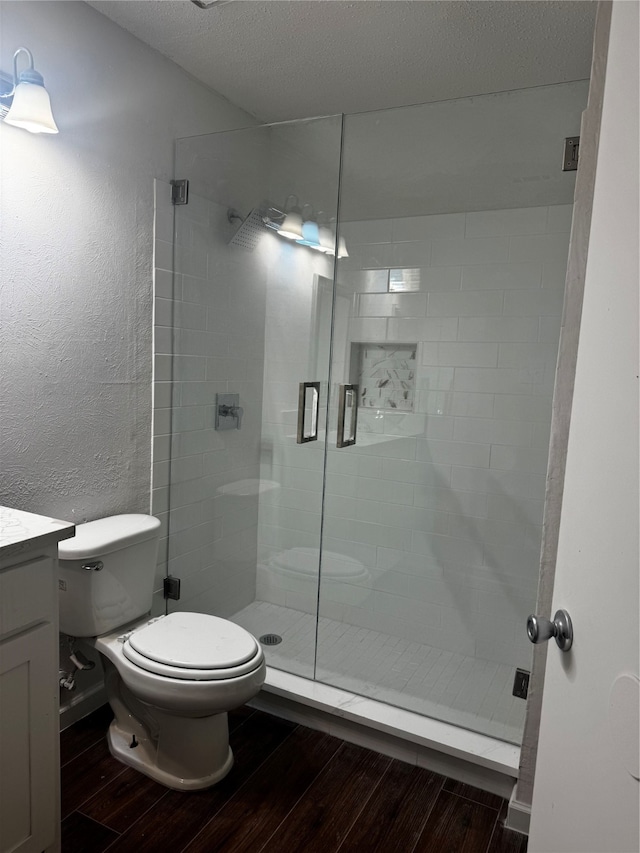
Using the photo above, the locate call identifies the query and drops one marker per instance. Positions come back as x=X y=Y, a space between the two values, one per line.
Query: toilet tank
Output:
x=106 y=574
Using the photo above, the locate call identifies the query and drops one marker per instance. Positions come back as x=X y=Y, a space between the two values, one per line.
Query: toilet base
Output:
x=187 y=756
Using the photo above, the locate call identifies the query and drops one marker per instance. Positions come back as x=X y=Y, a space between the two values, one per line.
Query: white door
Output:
x=586 y=791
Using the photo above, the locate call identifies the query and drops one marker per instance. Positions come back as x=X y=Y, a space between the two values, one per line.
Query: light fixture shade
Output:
x=310 y=234
x=327 y=239
x=292 y=225
x=31 y=109
x=342 y=248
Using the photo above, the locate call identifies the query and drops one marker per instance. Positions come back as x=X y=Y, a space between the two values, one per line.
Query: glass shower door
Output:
x=242 y=340
x=456 y=220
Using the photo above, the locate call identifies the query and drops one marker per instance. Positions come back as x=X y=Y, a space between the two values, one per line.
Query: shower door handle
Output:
x=347 y=415
x=308 y=410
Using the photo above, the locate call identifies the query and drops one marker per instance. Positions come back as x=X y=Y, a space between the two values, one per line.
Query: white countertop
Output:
x=21 y=530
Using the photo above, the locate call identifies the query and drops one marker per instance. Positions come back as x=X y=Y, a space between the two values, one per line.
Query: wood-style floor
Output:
x=291 y=789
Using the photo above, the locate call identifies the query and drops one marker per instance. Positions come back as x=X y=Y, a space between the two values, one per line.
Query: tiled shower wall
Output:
x=441 y=507
x=209 y=338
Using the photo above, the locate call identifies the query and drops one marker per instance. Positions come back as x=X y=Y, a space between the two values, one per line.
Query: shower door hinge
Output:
x=180 y=192
x=521 y=683
x=171 y=587
x=570 y=155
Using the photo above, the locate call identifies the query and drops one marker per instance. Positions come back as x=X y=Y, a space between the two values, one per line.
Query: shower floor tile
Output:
x=456 y=688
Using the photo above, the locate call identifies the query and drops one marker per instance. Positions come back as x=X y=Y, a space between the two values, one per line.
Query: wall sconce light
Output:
x=310 y=233
x=308 y=230
x=292 y=225
x=31 y=106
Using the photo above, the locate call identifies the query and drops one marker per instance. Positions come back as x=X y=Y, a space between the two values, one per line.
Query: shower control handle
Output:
x=232 y=412
x=539 y=630
x=228 y=411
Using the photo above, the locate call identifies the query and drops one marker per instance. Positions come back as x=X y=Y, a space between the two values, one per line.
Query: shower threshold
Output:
x=470 y=757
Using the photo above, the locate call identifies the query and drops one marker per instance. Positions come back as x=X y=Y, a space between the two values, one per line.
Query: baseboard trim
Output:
x=82 y=704
x=518 y=816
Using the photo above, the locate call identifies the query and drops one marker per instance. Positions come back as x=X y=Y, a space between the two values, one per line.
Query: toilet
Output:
x=171 y=679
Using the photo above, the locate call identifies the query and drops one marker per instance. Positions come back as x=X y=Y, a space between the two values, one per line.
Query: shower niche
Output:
x=385 y=373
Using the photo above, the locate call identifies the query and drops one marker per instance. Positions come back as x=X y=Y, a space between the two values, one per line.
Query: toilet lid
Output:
x=194 y=641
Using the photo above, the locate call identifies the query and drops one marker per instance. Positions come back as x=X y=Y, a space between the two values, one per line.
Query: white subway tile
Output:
x=541 y=435
x=411 y=254
x=471 y=405
x=554 y=274
x=163 y=312
x=501 y=276
x=559 y=218
x=492 y=380
x=434 y=378
x=526 y=355
x=491 y=431
x=189 y=368
x=379 y=490
x=163 y=283
x=162 y=394
x=463 y=354
x=533 y=459
x=468 y=304
x=512 y=509
x=455 y=251
x=406 y=330
x=425 y=473
x=427 y=227
x=517 y=562
x=446 y=549
x=163 y=255
x=377 y=256
x=402 y=424
x=439 y=427
x=367 y=231
x=549 y=247
x=499 y=223
x=453 y=453
x=450 y=500
x=524 y=407
x=434 y=278
x=369 y=329
x=494 y=481
x=392 y=305
x=533 y=303
x=498 y=329
x=162 y=368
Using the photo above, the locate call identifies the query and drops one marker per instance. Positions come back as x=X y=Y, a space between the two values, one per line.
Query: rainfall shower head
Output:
x=258 y=222
x=248 y=234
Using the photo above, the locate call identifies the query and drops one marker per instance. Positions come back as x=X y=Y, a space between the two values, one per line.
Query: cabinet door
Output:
x=28 y=732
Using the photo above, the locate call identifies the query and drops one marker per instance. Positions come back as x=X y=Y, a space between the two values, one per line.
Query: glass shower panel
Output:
x=250 y=321
x=456 y=219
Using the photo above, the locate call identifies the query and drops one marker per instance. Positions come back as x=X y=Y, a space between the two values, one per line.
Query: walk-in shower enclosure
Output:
x=402 y=565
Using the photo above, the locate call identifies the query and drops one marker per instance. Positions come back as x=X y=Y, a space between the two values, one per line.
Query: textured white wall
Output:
x=76 y=263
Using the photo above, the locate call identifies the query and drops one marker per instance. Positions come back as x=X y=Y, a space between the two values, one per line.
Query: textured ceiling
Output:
x=286 y=59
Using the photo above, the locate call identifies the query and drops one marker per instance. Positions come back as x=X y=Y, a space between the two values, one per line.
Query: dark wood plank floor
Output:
x=291 y=789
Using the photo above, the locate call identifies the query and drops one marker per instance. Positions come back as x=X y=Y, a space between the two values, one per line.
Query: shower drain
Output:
x=270 y=639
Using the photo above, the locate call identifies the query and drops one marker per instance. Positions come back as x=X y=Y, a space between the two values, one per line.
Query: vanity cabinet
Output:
x=29 y=714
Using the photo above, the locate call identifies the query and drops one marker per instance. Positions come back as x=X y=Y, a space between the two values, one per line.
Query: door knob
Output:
x=539 y=630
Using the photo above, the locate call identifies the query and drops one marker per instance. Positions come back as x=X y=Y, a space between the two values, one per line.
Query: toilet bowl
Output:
x=170 y=680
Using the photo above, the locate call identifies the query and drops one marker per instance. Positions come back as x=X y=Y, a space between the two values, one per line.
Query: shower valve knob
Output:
x=539 y=630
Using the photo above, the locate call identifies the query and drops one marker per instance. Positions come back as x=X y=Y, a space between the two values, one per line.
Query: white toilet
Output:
x=170 y=680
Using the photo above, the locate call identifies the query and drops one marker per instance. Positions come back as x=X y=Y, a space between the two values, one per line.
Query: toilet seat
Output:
x=193 y=647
